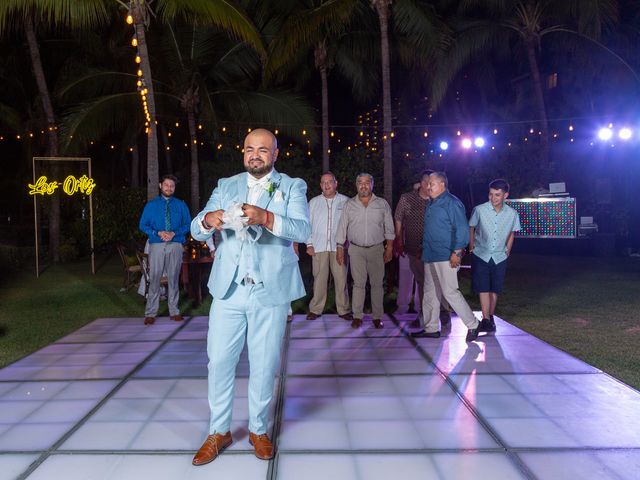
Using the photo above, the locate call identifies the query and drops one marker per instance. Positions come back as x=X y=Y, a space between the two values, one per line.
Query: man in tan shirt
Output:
x=365 y=225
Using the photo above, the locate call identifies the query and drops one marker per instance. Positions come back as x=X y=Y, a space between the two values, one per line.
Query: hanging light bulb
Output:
x=138 y=60
x=129 y=19
x=139 y=73
x=134 y=42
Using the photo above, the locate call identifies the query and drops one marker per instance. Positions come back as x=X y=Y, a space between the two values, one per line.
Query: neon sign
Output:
x=70 y=186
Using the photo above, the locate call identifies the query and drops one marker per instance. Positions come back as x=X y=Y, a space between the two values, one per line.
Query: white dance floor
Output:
x=117 y=400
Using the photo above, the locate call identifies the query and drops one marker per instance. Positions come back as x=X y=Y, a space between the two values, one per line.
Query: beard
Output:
x=259 y=171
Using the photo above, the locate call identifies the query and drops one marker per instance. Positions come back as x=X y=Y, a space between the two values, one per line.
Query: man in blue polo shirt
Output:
x=166 y=221
x=446 y=235
x=492 y=228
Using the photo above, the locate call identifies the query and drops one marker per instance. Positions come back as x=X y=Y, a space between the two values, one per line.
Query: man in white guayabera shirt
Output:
x=254 y=279
x=325 y=211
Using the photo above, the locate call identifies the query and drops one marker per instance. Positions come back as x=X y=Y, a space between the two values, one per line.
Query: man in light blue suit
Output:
x=254 y=278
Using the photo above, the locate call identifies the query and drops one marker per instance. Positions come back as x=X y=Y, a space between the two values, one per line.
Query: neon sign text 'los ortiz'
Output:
x=70 y=186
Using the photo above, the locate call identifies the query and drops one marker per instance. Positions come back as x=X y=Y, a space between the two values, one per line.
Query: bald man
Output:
x=253 y=281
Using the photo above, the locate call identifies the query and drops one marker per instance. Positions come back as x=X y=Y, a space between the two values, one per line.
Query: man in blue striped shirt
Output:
x=446 y=234
x=492 y=228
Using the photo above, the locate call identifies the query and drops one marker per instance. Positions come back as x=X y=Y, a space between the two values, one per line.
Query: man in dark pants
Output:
x=492 y=228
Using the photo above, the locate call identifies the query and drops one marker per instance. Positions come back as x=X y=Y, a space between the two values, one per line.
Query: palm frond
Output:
x=67 y=13
x=307 y=27
x=95 y=119
x=273 y=109
x=476 y=38
x=223 y=13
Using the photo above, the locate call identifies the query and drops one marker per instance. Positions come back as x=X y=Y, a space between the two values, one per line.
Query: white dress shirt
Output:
x=325 y=216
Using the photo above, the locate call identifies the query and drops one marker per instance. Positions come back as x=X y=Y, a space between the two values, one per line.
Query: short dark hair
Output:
x=168 y=176
x=500 y=184
x=425 y=173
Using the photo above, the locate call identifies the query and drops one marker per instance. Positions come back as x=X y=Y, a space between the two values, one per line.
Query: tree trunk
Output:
x=135 y=166
x=195 y=169
x=383 y=9
x=321 y=63
x=168 y=159
x=52 y=135
x=138 y=12
x=539 y=96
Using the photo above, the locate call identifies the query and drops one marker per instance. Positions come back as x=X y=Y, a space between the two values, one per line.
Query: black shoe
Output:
x=347 y=316
x=487 y=325
x=312 y=316
x=377 y=323
x=423 y=334
x=472 y=334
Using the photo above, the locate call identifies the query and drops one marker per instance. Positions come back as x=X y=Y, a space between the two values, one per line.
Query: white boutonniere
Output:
x=278 y=196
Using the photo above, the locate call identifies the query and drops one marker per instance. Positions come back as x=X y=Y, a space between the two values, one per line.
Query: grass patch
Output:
x=587 y=307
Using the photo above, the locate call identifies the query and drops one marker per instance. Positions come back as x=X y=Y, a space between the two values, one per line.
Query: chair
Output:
x=143 y=261
x=131 y=272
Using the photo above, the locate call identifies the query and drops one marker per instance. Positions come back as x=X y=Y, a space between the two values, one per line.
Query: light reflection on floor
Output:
x=118 y=400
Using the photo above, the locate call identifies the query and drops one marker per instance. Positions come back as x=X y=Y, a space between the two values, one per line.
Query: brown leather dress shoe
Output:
x=211 y=448
x=347 y=316
x=377 y=323
x=356 y=323
x=177 y=318
x=312 y=316
x=262 y=445
x=149 y=320
x=289 y=318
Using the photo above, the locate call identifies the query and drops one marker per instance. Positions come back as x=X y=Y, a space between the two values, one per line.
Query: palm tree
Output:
x=204 y=77
x=383 y=9
x=223 y=13
x=493 y=25
x=26 y=16
x=317 y=25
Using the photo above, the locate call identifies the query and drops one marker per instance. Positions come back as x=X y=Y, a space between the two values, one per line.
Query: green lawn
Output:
x=588 y=307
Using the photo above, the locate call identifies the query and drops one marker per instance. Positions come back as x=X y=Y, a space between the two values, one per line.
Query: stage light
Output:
x=625 y=133
x=444 y=146
x=605 y=134
x=479 y=142
x=466 y=143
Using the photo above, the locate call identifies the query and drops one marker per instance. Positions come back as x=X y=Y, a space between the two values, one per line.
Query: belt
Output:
x=369 y=246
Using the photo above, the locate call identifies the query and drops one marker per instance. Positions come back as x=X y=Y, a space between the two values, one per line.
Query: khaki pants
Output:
x=367 y=262
x=440 y=277
x=322 y=263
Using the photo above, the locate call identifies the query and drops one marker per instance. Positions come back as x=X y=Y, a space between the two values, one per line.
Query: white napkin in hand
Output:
x=233 y=219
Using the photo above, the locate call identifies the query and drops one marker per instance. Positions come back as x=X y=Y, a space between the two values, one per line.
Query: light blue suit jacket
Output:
x=277 y=261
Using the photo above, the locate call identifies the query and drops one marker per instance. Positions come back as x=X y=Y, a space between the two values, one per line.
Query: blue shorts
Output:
x=487 y=276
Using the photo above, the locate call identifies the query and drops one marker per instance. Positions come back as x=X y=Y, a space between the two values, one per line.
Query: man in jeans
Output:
x=492 y=228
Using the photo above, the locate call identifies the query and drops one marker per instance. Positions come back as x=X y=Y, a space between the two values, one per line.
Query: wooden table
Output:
x=191 y=275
